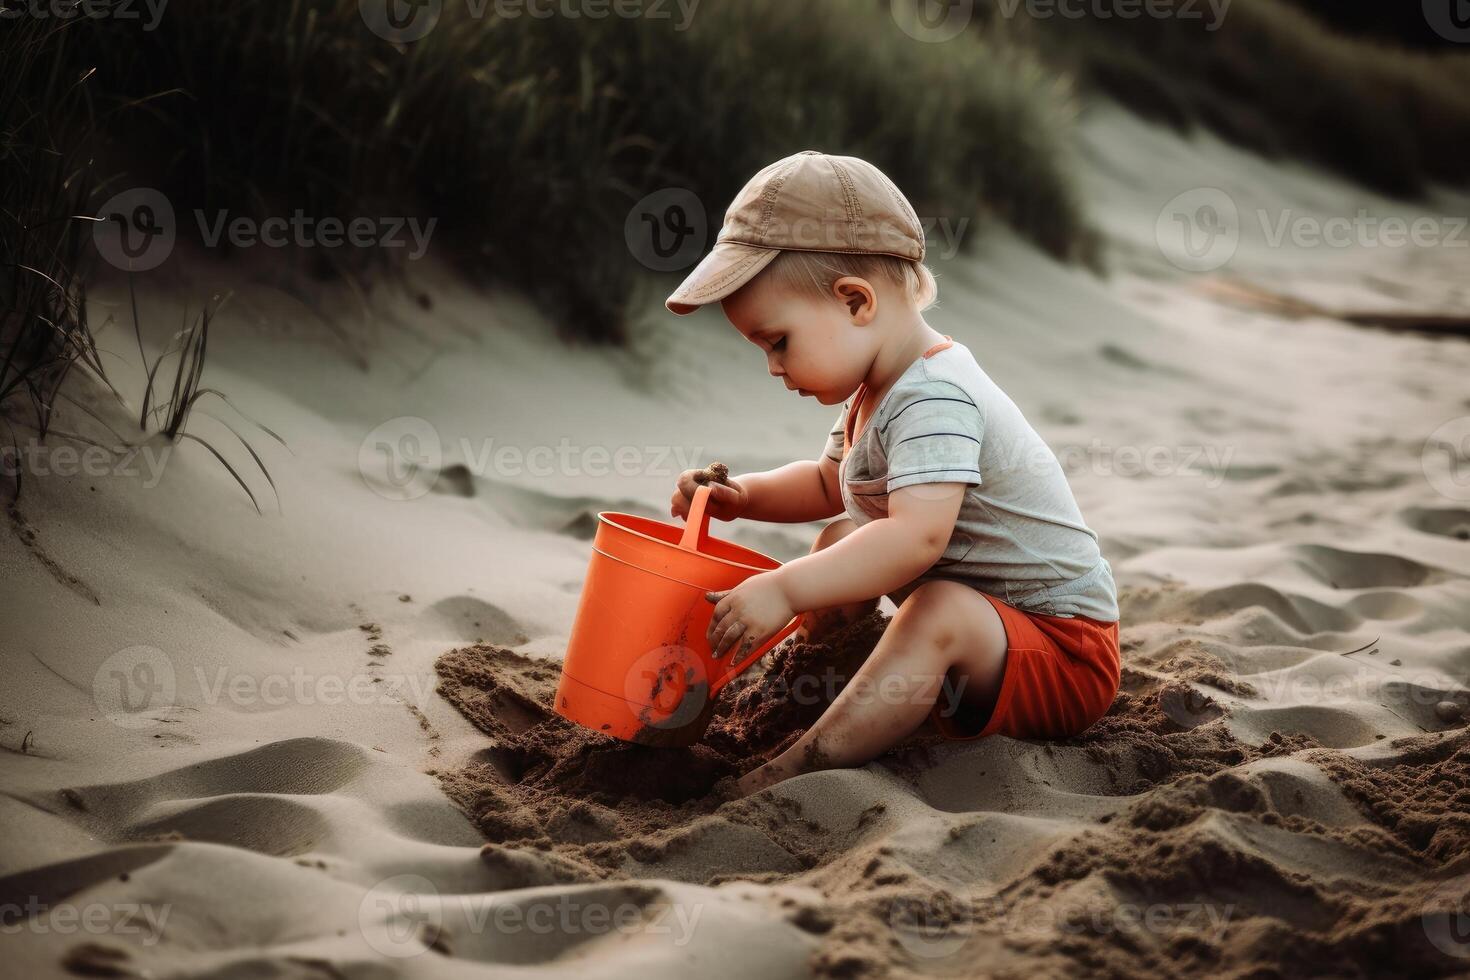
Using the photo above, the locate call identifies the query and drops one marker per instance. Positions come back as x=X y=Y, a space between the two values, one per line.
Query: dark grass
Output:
x=50 y=132
x=44 y=332
x=167 y=411
x=531 y=139
x=1278 y=80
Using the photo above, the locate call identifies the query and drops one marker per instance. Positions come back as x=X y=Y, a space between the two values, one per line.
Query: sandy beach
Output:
x=319 y=742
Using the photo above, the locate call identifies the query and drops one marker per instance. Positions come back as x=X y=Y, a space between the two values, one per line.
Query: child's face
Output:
x=817 y=346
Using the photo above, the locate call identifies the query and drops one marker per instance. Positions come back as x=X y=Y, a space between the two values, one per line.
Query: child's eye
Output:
x=779 y=345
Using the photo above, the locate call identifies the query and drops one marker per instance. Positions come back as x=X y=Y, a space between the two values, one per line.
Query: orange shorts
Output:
x=1061 y=675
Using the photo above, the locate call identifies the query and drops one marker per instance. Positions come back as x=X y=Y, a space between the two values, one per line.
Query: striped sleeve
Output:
x=932 y=435
x=834 y=438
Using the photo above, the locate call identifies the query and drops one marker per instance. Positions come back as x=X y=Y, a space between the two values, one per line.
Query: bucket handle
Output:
x=696 y=533
x=738 y=664
x=696 y=525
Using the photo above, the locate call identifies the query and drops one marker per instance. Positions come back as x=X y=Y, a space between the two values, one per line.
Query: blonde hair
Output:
x=815 y=272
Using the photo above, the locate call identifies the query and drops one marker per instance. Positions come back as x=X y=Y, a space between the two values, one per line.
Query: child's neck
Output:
x=906 y=344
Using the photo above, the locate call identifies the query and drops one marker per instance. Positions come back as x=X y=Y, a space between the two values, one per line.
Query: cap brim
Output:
x=727 y=267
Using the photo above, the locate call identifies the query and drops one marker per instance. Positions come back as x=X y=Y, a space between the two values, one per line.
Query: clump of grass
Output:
x=48 y=135
x=44 y=332
x=1276 y=79
x=168 y=413
x=531 y=139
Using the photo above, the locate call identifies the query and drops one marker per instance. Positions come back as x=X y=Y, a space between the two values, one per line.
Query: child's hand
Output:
x=727 y=500
x=748 y=615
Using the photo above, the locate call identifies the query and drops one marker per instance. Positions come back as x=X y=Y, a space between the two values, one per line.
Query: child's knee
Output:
x=833 y=533
x=953 y=618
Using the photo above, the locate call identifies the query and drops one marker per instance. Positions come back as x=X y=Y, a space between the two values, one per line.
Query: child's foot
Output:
x=758 y=779
x=727 y=789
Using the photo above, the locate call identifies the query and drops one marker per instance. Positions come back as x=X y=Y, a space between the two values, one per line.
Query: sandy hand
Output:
x=728 y=499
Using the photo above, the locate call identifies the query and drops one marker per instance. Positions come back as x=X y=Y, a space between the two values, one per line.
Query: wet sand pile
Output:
x=771 y=705
x=1229 y=864
x=1214 y=837
x=551 y=784
x=1220 y=842
x=1421 y=796
x=1161 y=727
x=1231 y=885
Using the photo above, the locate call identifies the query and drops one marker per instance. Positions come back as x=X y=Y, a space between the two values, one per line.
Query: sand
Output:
x=587 y=807
x=548 y=783
x=317 y=743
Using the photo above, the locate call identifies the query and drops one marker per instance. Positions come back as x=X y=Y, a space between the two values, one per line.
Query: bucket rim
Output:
x=606 y=516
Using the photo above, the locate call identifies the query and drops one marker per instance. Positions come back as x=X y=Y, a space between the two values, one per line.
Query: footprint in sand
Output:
x=1284 y=617
x=1450 y=522
x=264 y=824
x=465 y=618
x=1362 y=570
x=242 y=799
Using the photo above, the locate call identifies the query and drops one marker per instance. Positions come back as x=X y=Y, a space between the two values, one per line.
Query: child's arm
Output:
x=805 y=490
x=877 y=558
x=880 y=556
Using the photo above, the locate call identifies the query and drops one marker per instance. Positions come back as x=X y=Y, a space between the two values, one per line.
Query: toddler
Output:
x=954 y=507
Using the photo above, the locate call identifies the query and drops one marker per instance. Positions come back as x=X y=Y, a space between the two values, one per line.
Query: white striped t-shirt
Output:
x=1019 y=535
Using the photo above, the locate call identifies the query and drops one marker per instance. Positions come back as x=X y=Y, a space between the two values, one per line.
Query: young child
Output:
x=955 y=508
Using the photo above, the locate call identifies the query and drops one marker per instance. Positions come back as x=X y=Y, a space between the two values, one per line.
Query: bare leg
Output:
x=818 y=623
x=941 y=627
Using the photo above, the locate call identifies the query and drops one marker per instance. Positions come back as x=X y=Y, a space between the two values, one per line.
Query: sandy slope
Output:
x=260 y=805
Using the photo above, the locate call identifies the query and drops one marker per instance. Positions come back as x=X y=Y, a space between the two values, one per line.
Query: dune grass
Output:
x=1280 y=81
x=166 y=411
x=44 y=333
x=530 y=139
x=49 y=132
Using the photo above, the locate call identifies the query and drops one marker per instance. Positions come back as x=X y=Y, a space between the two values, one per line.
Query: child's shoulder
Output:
x=949 y=373
x=954 y=363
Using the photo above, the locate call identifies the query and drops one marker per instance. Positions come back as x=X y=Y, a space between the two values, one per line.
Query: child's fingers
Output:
x=726 y=635
x=687 y=484
x=722 y=493
x=747 y=644
x=716 y=620
x=728 y=638
x=712 y=635
x=724 y=497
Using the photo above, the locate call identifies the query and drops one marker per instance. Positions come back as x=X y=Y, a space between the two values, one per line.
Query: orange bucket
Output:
x=638 y=667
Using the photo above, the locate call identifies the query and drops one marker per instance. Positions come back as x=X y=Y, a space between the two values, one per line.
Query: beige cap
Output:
x=809 y=202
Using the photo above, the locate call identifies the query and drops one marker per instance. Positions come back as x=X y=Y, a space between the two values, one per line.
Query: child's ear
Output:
x=859 y=297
